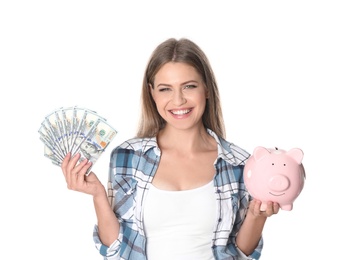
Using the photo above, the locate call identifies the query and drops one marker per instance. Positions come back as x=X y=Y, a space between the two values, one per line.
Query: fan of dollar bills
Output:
x=75 y=130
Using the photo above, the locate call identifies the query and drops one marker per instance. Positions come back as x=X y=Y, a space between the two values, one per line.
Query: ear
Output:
x=296 y=154
x=207 y=93
x=260 y=152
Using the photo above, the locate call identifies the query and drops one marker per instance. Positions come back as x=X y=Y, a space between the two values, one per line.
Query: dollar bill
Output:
x=48 y=138
x=75 y=130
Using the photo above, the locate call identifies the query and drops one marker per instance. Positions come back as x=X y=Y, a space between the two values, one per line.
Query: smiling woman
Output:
x=179 y=162
x=280 y=72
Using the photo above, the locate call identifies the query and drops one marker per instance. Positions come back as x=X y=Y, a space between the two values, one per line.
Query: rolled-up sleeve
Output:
x=113 y=251
x=254 y=256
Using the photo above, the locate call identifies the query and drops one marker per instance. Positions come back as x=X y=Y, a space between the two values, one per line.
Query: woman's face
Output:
x=180 y=95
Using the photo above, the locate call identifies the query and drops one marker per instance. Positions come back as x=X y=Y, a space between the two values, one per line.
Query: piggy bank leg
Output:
x=286 y=207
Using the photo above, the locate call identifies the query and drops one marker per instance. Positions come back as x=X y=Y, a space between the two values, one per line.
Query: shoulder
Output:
x=233 y=152
x=136 y=154
x=135 y=145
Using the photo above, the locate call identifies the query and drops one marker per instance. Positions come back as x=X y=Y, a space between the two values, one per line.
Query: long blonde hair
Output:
x=185 y=51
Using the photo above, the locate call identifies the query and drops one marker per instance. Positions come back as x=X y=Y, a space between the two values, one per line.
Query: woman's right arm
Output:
x=108 y=224
x=74 y=172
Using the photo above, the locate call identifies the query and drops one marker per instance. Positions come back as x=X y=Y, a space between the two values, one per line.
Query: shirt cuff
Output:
x=111 y=252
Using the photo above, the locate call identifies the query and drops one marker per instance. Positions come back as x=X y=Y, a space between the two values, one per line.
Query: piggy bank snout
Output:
x=279 y=182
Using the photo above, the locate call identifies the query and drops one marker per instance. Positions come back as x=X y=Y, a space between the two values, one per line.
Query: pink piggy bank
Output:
x=275 y=175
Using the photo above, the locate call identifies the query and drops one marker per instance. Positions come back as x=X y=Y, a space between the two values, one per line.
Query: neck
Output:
x=185 y=140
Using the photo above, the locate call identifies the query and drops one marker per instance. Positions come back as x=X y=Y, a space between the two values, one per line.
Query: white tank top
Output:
x=179 y=224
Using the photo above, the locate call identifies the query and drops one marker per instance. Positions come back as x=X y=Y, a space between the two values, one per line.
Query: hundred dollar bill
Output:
x=61 y=130
x=70 y=119
x=88 y=119
x=67 y=124
x=93 y=144
x=55 y=159
x=47 y=137
x=75 y=130
x=53 y=123
x=79 y=126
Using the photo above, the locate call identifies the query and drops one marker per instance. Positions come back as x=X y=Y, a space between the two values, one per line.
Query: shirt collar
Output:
x=226 y=150
x=149 y=143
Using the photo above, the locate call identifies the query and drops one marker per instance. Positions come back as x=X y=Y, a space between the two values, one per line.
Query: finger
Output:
x=257 y=208
x=84 y=166
x=73 y=162
x=276 y=208
x=77 y=180
x=72 y=170
x=269 y=209
x=80 y=178
x=79 y=170
x=65 y=163
x=272 y=208
x=74 y=175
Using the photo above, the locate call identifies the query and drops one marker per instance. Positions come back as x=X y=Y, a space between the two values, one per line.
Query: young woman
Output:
x=176 y=190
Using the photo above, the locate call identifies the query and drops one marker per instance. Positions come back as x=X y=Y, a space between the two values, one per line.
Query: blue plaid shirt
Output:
x=133 y=165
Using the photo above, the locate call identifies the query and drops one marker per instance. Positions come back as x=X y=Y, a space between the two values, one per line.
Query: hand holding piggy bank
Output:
x=275 y=175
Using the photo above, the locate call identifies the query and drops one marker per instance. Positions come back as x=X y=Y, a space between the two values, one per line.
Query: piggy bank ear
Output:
x=260 y=152
x=296 y=154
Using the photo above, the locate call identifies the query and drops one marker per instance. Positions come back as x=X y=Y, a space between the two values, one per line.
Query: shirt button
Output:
x=219 y=220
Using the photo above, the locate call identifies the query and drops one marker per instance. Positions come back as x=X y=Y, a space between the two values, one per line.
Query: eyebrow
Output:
x=183 y=83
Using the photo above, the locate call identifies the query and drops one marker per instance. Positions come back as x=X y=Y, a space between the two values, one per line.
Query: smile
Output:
x=277 y=195
x=180 y=112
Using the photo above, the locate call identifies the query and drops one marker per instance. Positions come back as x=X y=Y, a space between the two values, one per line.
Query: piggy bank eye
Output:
x=273 y=163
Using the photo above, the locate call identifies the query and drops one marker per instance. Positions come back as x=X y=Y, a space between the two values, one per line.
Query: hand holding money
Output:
x=75 y=130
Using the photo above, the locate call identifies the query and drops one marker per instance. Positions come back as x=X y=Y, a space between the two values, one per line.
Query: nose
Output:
x=279 y=182
x=178 y=98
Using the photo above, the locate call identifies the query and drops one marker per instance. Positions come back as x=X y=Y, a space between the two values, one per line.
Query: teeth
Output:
x=180 y=112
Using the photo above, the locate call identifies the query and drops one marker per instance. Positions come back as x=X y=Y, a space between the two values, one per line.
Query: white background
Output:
x=280 y=67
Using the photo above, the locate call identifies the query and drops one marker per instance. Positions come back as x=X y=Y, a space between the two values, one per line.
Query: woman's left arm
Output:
x=251 y=229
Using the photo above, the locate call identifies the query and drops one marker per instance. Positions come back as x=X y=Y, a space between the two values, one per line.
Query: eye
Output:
x=190 y=86
x=164 y=89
